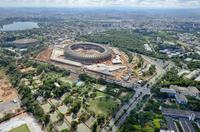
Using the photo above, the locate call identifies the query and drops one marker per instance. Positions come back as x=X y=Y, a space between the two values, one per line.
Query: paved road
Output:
x=140 y=93
x=126 y=106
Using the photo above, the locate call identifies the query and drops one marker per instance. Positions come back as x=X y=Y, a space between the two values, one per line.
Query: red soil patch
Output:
x=7 y=93
x=45 y=55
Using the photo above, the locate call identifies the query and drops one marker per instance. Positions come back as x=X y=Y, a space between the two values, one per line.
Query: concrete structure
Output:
x=170 y=92
x=180 y=92
x=192 y=75
x=117 y=60
x=146 y=68
x=25 y=43
x=187 y=91
x=182 y=72
x=175 y=113
x=181 y=99
x=197 y=79
x=104 y=69
x=87 y=53
x=183 y=117
x=147 y=47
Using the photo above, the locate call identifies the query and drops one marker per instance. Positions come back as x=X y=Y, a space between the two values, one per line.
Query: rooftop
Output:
x=25 y=41
x=179 y=113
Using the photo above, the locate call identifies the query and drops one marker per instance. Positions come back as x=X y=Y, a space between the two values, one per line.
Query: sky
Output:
x=102 y=3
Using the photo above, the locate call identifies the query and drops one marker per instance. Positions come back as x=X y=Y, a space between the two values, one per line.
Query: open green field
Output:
x=22 y=128
x=103 y=104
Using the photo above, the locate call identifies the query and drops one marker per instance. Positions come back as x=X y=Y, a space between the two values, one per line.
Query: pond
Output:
x=18 y=26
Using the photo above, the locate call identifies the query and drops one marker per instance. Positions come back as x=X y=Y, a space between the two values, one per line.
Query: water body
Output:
x=18 y=26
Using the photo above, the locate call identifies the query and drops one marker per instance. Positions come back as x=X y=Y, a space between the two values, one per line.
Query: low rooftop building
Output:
x=180 y=113
x=117 y=60
x=192 y=75
x=187 y=91
x=181 y=99
x=147 y=47
x=182 y=72
x=167 y=90
x=197 y=78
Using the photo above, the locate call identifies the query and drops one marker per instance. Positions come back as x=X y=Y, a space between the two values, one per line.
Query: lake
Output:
x=17 y=26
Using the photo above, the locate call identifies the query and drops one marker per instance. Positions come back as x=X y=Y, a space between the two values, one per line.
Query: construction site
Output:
x=97 y=60
x=9 y=101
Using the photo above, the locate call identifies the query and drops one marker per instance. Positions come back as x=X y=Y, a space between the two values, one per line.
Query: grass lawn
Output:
x=103 y=105
x=100 y=94
x=22 y=128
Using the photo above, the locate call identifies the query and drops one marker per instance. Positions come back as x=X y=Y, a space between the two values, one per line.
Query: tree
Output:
x=83 y=117
x=61 y=116
x=6 y=117
x=46 y=119
x=152 y=69
x=100 y=119
x=141 y=61
x=52 y=108
x=65 y=130
x=76 y=105
x=148 y=129
x=94 y=127
x=68 y=99
x=74 y=125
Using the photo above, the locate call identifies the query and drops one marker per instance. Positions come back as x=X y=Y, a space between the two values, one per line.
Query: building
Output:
x=197 y=78
x=183 y=117
x=167 y=131
x=183 y=72
x=181 y=99
x=170 y=92
x=147 y=47
x=175 y=113
x=192 y=75
x=87 y=53
x=25 y=43
x=117 y=60
x=187 y=91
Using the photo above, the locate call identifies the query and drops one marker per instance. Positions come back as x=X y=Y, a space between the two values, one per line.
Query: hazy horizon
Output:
x=160 y=4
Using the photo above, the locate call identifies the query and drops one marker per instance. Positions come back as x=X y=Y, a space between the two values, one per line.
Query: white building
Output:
x=192 y=75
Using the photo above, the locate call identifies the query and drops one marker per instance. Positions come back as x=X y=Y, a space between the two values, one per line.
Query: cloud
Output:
x=103 y=3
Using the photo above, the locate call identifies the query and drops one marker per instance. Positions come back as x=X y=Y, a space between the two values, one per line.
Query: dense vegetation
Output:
x=149 y=119
x=127 y=40
x=28 y=99
x=193 y=65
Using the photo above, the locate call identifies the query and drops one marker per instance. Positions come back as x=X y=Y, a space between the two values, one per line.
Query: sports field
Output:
x=22 y=128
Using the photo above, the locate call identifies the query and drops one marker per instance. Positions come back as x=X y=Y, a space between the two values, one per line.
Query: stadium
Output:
x=87 y=53
x=25 y=43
